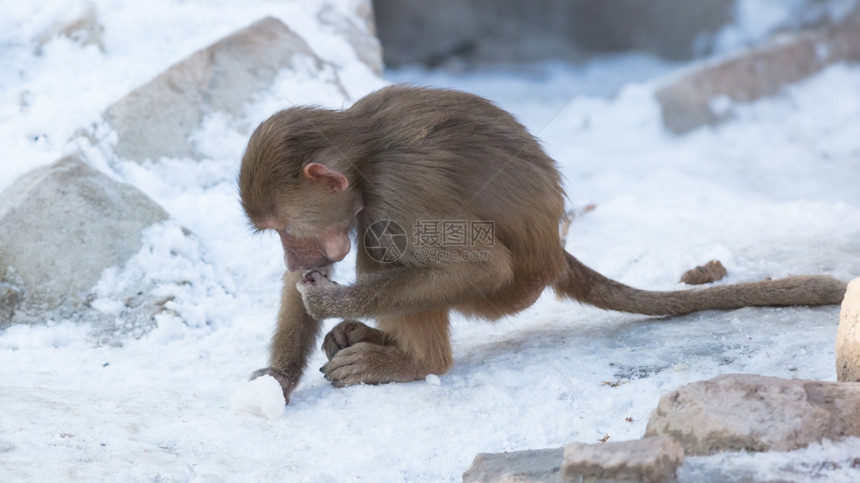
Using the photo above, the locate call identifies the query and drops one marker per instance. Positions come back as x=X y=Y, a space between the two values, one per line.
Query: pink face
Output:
x=307 y=244
x=305 y=254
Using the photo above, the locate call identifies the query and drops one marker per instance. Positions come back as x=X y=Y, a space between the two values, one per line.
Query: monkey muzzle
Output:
x=305 y=261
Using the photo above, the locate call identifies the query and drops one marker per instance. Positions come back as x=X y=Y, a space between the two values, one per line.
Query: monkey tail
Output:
x=586 y=285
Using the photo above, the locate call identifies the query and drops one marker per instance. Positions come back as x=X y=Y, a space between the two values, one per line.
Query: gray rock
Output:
x=157 y=118
x=651 y=459
x=756 y=413
x=538 y=466
x=60 y=226
x=848 y=336
x=703 y=93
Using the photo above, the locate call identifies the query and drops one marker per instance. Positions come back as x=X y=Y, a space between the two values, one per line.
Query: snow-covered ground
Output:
x=773 y=193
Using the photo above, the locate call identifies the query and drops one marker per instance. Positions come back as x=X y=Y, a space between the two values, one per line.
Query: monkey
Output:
x=405 y=167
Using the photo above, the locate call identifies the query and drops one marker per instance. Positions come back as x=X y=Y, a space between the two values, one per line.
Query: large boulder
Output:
x=756 y=413
x=703 y=94
x=848 y=336
x=61 y=226
x=158 y=118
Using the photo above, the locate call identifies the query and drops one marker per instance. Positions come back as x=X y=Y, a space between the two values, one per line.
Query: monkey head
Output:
x=289 y=182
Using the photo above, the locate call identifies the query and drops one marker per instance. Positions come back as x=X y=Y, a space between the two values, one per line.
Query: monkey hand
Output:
x=322 y=297
x=287 y=383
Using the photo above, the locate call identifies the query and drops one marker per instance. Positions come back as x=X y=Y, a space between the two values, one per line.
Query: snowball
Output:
x=261 y=397
x=433 y=379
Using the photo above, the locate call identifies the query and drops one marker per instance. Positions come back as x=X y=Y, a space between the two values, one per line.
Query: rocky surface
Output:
x=703 y=94
x=538 y=466
x=61 y=226
x=158 y=118
x=756 y=413
x=650 y=459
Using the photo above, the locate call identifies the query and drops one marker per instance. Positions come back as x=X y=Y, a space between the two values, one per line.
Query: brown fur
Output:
x=409 y=154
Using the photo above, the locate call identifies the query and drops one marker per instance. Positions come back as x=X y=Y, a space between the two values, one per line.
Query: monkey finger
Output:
x=339 y=375
x=310 y=278
x=345 y=368
x=313 y=277
x=344 y=358
x=331 y=345
x=345 y=376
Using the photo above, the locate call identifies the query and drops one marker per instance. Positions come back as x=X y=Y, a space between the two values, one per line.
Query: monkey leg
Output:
x=294 y=338
x=419 y=345
x=508 y=300
x=349 y=333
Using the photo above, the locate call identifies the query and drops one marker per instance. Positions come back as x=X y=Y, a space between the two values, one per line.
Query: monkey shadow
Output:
x=610 y=337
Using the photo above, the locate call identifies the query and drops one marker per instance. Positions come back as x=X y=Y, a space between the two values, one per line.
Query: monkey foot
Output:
x=370 y=364
x=347 y=334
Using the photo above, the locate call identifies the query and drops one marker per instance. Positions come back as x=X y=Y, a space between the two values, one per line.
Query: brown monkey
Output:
x=407 y=167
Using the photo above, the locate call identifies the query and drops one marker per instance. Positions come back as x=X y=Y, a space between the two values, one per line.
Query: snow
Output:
x=261 y=397
x=772 y=193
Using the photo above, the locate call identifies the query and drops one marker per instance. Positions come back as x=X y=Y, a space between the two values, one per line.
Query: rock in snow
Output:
x=756 y=413
x=157 y=118
x=60 y=226
x=848 y=336
x=649 y=459
x=542 y=465
x=703 y=93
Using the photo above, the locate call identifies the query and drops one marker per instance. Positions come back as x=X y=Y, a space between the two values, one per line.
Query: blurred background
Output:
x=456 y=33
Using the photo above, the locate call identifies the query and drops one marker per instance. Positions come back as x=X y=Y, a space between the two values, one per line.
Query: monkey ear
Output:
x=334 y=181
